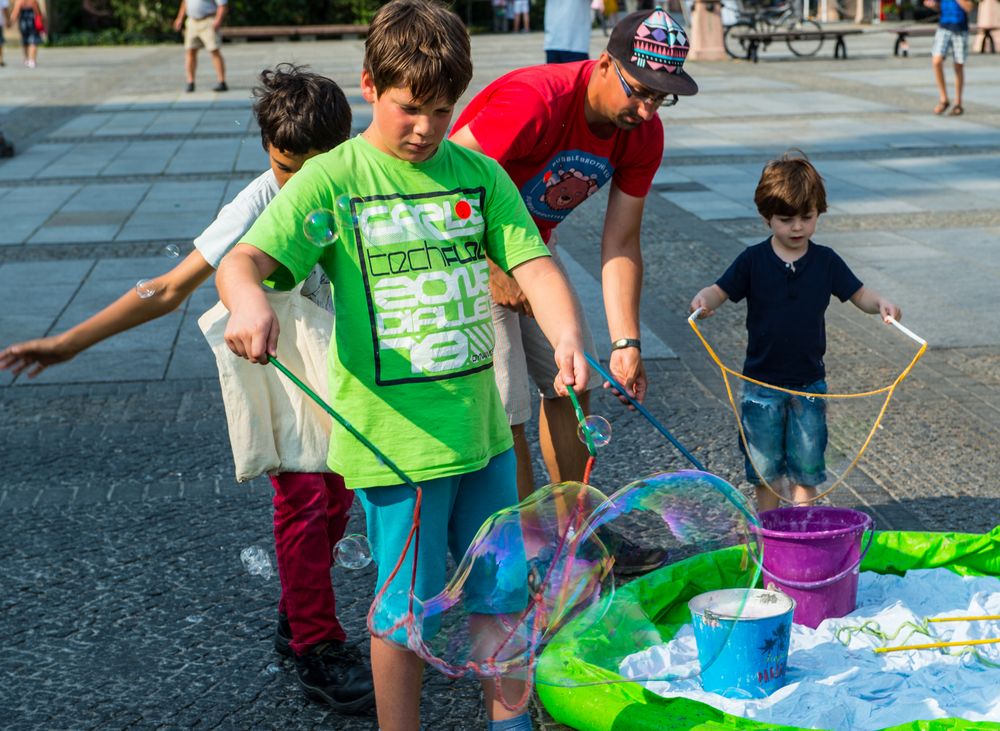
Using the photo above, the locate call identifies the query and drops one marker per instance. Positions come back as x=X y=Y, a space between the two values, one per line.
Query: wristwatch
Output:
x=626 y=343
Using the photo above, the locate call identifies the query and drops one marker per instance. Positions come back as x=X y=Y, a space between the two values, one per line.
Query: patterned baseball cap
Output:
x=652 y=47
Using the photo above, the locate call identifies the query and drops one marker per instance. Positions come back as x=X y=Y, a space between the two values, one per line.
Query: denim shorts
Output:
x=786 y=434
x=452 y=511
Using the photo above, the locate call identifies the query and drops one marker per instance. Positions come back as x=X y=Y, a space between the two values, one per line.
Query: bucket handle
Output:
x=832 y=579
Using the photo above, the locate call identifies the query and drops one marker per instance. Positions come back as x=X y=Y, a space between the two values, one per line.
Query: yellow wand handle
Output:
x=933 y=645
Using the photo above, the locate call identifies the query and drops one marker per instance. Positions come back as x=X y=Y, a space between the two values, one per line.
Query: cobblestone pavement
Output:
x=123 y=599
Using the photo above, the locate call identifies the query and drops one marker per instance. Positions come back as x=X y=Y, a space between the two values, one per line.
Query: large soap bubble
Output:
x=529 y=569
x=546 y=562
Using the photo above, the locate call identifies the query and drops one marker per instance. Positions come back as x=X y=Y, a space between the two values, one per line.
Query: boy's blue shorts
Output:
x=452 y=511
x=786 y=434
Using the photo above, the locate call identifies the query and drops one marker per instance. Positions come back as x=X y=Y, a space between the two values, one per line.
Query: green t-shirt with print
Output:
x=411 y=361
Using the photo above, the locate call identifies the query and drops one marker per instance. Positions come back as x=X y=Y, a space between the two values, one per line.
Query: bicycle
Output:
x=783 y=17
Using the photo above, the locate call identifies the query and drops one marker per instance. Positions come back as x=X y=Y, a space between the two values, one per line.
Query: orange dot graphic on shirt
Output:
x=463 y=209
x=547 y=177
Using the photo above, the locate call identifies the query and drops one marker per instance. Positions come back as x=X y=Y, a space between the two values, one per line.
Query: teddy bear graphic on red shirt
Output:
x=568 y=189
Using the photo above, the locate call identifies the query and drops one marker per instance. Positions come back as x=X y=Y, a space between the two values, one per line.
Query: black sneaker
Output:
x=221 y=86
x=189 y=87
x=631 y=559
x=283 y=636
x=335 y=673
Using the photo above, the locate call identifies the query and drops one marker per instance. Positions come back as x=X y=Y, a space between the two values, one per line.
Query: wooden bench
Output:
x=902 y=46
x=291 y=32
x=756 y=39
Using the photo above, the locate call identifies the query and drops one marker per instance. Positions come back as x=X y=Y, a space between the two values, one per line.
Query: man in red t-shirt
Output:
x=561 y=132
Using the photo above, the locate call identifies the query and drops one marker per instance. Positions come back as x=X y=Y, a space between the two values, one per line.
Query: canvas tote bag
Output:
x=274 y=426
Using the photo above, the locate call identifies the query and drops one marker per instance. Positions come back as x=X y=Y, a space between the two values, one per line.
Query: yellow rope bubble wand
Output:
x=887 y=390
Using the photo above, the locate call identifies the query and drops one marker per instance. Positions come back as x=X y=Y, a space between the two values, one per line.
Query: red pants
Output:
x=310 y=515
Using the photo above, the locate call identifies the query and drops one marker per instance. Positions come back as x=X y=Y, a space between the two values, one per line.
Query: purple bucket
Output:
x=813 y=554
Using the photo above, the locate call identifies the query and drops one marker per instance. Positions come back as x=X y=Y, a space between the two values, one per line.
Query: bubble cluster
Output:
x=352 y=552
x=599 y=429
x=257 y=562
x=320 y=227
x=145 y=288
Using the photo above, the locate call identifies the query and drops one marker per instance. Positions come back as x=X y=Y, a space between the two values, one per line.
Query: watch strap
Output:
x=626 y=343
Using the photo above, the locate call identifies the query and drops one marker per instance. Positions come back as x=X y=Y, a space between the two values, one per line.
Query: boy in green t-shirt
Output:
x=409 y=220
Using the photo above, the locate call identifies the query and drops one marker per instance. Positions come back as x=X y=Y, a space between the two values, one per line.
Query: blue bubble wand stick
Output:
x=606 y=375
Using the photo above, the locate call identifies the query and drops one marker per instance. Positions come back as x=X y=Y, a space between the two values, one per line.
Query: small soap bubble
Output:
x=172 y=251
x=273 y=669
x=344 y=202
x=145 y=288
x=599 y=428
x=257 y=562
x=320 y=227
x=353 y=552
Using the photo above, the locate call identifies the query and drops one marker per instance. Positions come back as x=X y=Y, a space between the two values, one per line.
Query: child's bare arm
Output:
x=252 y=331
x=557 y=314
x=870 y=301
x=128 y=311
x=709 y=300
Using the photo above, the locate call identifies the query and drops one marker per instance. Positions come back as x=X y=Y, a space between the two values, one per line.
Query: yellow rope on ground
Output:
x=887 y=390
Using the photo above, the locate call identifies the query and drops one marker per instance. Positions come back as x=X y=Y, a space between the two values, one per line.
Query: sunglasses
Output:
x=653 y=100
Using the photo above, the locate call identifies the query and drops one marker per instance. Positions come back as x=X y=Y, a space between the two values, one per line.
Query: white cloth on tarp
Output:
x=274 y=426
x=830 y=686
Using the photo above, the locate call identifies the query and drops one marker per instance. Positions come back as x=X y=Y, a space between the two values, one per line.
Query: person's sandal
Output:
x=957 y=111
x=941 y=107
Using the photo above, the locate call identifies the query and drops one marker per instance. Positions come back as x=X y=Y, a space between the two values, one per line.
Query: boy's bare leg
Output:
x=488 y=633
x=190 y=64
x=522 y=452
x=766 y=497
x=511 y=690
x=219 y=64
x=802 y=495
x=398 y=675
x=564 y=454
x=959 y=83
x=937 y=63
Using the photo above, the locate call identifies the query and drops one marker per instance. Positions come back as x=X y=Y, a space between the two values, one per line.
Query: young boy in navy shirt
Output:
x=787 y=281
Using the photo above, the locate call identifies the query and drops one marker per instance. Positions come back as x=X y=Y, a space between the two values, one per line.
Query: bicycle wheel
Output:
x=737 y=47
x=808 y=46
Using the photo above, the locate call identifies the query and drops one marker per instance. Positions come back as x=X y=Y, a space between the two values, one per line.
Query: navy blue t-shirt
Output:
x=786 y=308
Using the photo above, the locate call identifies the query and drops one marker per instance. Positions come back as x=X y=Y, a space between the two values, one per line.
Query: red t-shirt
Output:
x=532 y=122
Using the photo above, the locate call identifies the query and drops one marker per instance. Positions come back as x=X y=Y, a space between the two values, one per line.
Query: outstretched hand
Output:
x=33 y=356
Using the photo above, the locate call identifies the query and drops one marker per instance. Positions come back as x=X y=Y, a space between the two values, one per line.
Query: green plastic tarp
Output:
x=579 y=652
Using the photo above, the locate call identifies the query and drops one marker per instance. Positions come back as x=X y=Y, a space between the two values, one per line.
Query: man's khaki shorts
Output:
x=522 y=352
x=199 y=33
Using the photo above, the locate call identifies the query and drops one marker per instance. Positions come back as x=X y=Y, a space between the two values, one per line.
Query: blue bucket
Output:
x=742 y=637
